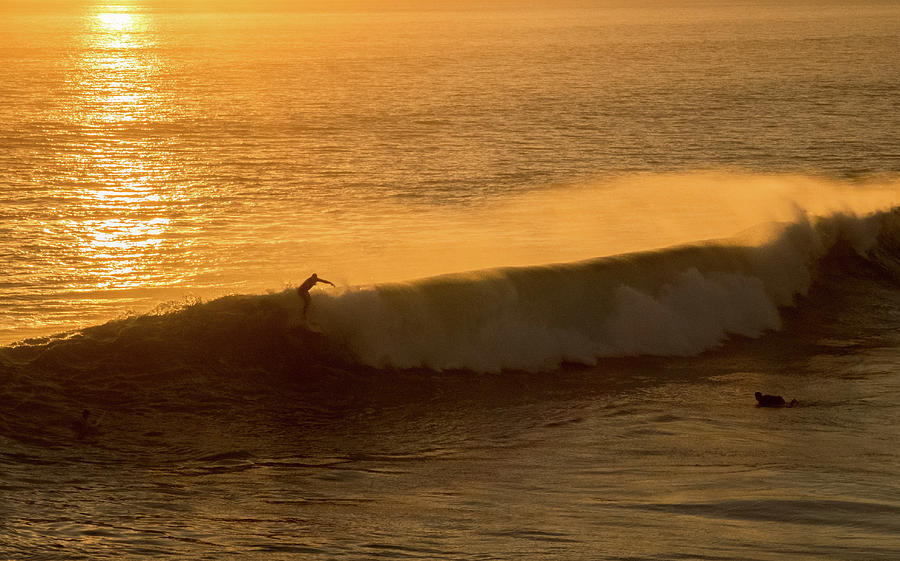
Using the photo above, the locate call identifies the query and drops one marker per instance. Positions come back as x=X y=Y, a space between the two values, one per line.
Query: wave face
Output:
x=672 y=302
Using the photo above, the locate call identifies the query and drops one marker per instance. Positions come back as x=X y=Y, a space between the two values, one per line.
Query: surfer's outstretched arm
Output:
x=311 y=282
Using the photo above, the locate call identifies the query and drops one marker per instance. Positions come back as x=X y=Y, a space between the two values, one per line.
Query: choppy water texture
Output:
x=569 y=244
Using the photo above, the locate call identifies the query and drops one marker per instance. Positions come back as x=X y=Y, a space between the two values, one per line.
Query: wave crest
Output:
x=676 y=301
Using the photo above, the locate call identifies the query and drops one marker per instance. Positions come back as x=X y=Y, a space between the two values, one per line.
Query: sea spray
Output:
x=674 y=301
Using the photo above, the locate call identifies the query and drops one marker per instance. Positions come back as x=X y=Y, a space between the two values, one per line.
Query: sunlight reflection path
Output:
x=123 y=188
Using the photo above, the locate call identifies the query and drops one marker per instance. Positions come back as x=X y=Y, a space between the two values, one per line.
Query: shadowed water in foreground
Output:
x=230 y=446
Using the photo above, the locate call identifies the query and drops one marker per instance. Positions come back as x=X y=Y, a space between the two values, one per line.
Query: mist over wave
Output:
x=676 y=301
x=670 y=302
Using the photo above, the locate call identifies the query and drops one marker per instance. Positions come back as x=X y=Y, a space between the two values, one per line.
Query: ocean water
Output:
x=569 y=242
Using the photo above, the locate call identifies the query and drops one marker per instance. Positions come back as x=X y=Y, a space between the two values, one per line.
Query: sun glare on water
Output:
x=116 y=21
x=124 y=193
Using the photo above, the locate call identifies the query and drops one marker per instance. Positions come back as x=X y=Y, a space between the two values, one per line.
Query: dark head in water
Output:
x=765 y=400
x=85 y=427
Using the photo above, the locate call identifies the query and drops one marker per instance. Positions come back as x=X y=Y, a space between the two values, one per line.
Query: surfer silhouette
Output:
x=303 y=289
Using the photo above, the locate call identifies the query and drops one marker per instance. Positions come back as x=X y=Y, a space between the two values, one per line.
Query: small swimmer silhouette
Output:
x=303 y=289
x=766 y=400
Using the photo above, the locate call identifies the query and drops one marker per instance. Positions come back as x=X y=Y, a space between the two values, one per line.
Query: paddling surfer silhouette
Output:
x=303 y=290
x=766 y=400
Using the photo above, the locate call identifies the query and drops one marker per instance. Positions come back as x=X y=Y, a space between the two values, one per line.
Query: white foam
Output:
x=677 y=301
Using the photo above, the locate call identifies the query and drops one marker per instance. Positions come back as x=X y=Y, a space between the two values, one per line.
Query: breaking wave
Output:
x=676 y=301
x=671 y=302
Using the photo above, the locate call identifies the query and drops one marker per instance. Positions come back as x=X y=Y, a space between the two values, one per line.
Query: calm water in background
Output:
x=150 y=153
